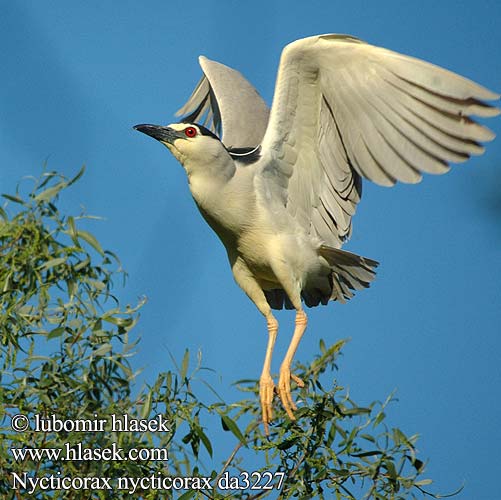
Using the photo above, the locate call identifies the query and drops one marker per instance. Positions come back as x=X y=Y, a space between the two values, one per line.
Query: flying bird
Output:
x=280 y=187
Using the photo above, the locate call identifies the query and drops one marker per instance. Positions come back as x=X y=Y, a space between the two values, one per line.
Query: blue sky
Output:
x=78 y=76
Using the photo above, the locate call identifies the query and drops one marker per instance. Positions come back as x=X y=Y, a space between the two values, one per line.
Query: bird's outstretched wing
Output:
x=224 y=99
x=343 y=109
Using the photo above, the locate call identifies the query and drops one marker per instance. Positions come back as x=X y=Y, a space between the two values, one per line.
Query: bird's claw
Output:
x=284 y=390
x=266 y=390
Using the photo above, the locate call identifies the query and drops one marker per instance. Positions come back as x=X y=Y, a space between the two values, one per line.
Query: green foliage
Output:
x=65 y=351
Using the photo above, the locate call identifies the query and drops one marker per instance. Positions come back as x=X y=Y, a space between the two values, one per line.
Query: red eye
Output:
x=190 y=131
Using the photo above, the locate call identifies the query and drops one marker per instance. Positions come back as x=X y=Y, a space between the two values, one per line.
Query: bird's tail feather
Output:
x=349 y=272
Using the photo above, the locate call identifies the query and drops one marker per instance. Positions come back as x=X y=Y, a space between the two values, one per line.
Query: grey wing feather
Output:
x=225 y=102
x=344 y=109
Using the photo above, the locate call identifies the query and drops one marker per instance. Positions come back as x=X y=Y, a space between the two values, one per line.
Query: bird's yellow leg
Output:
x=248 y=283
x=284 y=381
x=266 y=385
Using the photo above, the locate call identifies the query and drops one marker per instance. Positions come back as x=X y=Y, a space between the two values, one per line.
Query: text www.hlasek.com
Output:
x=78 y=453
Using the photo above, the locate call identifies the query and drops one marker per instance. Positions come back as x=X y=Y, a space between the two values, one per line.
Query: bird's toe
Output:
x=284 y=391
x=266 y=390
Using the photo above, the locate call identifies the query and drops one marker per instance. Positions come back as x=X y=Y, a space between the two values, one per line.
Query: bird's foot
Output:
x=284 y=390
x=266 y=390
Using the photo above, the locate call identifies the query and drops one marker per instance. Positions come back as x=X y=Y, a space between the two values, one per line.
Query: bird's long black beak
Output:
x=158 y=132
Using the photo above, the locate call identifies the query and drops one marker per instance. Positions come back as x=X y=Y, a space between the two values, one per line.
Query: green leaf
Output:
x=83 y=263
x=400 y=438
x=184 y=364
x=50 y=193
x=380 y=417
x=99 y=285
x=57 y=332
x=39 y=358
x=356 y=411
x=341 y=472
x=288 y=443
x=368 y=437
x=230 y=425
x=79 y=174
x=168 y=380
x=53 y=263
x=45 y=399
x=72 y=230
x=392 y=472
x=146 y=409
x=245 y=381
x=322 y=346
x=424 y=482
x=367 y=453
x=205 y=440
x=27 y=309
x=47 y=176
x=91 y=240
x=123 y=322
x=15 y=199
x=102 y=350
x=418 y=464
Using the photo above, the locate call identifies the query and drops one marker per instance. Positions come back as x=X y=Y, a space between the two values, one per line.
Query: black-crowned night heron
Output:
x=280 y=188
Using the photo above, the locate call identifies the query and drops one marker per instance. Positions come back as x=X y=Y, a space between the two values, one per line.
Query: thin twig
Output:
x=232 y=455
